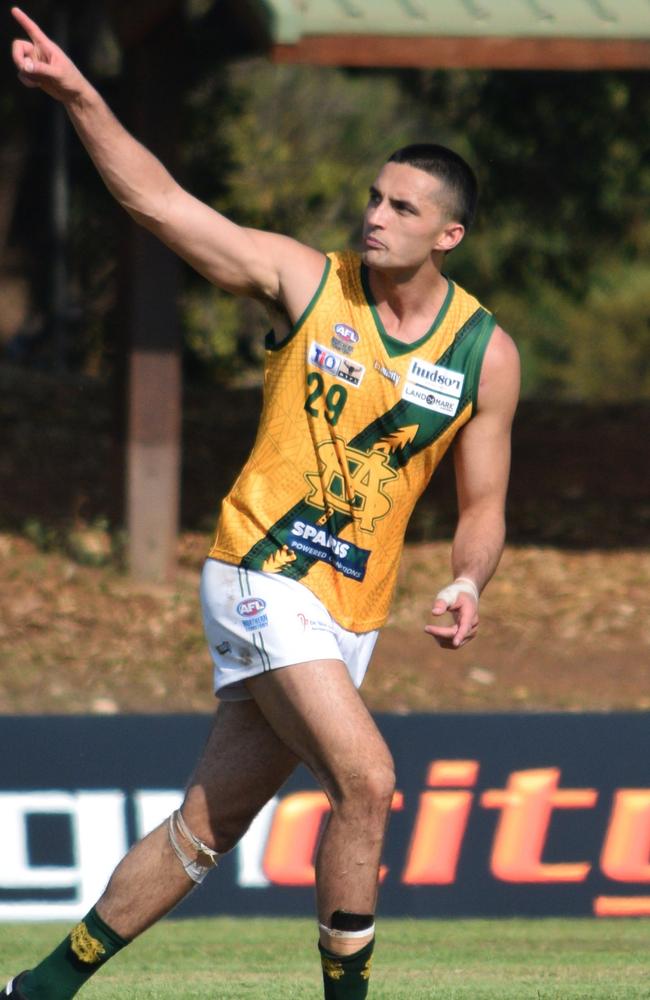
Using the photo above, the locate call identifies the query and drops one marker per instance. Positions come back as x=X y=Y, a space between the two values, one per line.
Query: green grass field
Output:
x=225 y=959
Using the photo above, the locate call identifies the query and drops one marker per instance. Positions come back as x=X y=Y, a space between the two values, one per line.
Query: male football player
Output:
x=376 y=363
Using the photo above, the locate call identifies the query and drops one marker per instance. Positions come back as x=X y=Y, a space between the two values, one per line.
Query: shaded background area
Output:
x=580 y=476
x=560 y=253
x=565 y=622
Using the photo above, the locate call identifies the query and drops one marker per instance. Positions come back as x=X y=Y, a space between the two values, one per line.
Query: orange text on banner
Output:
x=440 y=824
x=527 y=804
x=292 y=843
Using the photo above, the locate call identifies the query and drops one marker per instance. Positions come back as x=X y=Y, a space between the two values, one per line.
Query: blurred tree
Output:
x=561 y=247
x=561 y=251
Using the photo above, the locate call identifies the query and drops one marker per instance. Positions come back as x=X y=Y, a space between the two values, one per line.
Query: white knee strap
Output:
x=196 y=868
x=350 y=935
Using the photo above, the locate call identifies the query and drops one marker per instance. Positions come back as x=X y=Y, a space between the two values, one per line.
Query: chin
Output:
x=375 y=258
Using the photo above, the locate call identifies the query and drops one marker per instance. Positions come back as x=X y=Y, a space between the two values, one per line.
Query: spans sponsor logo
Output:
x=250 y=607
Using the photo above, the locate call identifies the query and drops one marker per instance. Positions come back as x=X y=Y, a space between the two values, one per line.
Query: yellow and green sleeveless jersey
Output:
x=353 y=425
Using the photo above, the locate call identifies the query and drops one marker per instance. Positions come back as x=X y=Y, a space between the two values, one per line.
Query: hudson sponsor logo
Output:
x=445 y=380
x=336 y=364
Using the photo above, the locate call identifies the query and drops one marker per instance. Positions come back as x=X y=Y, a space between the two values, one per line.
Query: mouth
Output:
x=371 y=243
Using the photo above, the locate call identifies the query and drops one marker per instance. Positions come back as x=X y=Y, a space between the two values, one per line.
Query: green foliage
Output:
x=302 y=147
x=560 y=249
x=87 y=544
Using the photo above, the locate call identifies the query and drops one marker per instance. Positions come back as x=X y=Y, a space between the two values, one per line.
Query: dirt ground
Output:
x=565 y=623
x=560 y=630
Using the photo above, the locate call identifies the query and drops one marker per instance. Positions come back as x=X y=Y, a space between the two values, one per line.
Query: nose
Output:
x=376 y=214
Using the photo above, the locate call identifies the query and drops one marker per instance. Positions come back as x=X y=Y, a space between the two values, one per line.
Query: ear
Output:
x=449 y=237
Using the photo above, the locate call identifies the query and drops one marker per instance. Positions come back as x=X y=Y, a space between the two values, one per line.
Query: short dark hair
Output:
x=457 y=176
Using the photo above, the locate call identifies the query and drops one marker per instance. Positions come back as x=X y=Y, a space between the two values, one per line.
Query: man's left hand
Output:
x=463 y=606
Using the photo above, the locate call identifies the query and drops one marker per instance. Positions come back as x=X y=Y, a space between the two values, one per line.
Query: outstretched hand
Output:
x=463 y=606
x=41 y=63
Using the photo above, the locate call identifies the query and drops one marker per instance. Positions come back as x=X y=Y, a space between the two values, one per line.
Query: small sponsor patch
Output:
x=444 y=380
x=223 y=648
x=346 y=333
x=430 y=400
x=315 y=541
x=335 y=364
x=250 y=610
x=86 y=948
x=255 y=624
x=434 y=387
x=313 y=624
x=394 y=377
x=341 y=345
x=351 y=371
x=250 y=607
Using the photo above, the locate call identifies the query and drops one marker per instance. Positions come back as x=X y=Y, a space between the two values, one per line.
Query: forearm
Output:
x=478 y=544
x=133 y=175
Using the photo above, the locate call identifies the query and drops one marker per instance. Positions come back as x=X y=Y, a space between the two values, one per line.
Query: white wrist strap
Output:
x=461 y=585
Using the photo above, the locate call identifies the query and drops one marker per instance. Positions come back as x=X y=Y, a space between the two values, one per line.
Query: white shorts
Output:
x=256 y=622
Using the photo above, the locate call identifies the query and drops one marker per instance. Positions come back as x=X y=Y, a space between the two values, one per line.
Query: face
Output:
x=406 y=220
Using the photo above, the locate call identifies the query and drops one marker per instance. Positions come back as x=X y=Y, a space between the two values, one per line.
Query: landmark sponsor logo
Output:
x=430 y=400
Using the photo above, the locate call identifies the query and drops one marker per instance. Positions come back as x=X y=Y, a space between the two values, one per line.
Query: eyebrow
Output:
x=396 y=202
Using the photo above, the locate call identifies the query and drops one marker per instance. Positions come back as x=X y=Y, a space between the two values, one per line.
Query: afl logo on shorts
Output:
x=251 y=607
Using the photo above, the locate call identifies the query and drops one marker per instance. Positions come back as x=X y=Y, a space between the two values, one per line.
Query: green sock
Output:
x=345 y=977
x=86 y=948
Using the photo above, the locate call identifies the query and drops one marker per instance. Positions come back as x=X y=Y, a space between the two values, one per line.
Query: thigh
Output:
x=315 y=710
x=242 y=766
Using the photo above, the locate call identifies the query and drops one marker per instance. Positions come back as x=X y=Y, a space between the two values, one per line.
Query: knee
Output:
x=219 y=828
x=370 y=789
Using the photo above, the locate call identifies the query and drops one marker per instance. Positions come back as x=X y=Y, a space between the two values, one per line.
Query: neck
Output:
x=409 y=293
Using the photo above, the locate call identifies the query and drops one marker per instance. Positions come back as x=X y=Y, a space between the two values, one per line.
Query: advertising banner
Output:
x=494 y=815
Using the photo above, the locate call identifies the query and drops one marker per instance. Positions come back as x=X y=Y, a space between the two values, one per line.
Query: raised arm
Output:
x=240 y=260
x=482 y=466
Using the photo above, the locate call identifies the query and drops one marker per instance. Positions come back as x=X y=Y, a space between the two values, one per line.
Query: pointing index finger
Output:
x=30 y=26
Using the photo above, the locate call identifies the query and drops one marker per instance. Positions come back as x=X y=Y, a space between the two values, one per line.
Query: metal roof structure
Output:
x=585 y=34
x=295 y=19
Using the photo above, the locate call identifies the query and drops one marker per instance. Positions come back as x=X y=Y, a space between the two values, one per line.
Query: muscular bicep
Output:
x=482 y=450
x=239 y=260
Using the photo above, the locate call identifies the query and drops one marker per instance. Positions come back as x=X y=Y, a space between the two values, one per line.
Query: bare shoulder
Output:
x=299 y=269
x=500 y=374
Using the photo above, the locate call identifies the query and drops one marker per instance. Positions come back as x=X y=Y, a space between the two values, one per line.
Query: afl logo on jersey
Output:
x=250 y=607
x=346 y=333
x=344 y=338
